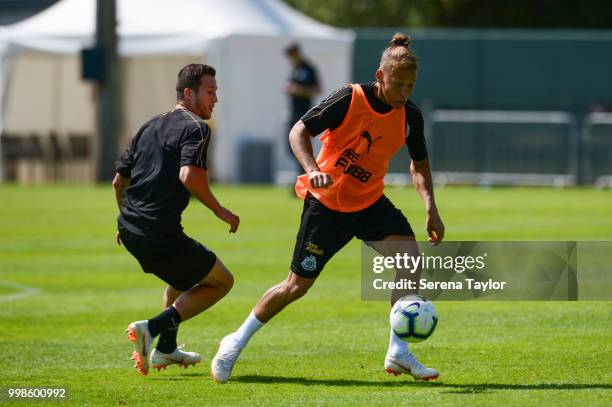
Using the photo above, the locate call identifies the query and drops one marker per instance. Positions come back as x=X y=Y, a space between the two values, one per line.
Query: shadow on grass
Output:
x=451 y=387
x=485 y=387
x=178 y=377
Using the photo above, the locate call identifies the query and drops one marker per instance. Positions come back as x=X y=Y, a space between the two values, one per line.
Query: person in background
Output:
x=302 y=86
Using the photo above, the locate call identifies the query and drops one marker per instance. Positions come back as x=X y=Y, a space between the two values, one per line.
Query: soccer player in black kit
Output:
x=165 y=164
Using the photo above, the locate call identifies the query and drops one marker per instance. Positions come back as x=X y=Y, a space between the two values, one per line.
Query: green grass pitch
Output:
x=326 y=349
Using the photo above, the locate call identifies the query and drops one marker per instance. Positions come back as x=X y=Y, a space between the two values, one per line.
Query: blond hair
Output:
x=399 y=55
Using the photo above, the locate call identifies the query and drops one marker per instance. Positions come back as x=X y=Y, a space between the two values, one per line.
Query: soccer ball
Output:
x=413 y=318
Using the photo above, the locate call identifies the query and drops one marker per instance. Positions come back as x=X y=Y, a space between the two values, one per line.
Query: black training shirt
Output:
x=153 y=203
x=305 y=75
x=330 y=113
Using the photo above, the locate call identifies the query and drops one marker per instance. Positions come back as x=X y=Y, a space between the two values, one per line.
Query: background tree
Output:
x=595 y=14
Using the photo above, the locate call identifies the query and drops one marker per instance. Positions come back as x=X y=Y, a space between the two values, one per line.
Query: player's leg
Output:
x=322 y=233
x=201 y=296
x=206 y=293
x=387 y=230
x=392 y=245
x=192 y=301
x=399 y=359
x=170 y=295
x=167 y=338
x=278 y=297
x=189 y=303
x=197 y=280
x=273 y=301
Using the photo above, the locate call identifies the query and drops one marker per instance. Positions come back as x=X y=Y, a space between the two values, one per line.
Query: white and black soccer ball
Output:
x=413 y=318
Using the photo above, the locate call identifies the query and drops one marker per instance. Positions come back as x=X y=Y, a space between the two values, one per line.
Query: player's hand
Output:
x=228 y=217
x=435 y=227
x=319 y=179
x=118 y=238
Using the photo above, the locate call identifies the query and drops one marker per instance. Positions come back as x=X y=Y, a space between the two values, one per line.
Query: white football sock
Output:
x=247 y=329
x=397 y=347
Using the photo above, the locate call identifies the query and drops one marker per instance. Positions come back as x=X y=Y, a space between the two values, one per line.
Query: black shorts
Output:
x=179 y=260
x=323 y=232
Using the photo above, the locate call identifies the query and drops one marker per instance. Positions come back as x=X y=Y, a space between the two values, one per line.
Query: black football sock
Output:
x=169 y=318
x=167 y=340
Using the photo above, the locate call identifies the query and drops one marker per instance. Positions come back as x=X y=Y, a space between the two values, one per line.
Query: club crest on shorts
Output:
x=309 y=263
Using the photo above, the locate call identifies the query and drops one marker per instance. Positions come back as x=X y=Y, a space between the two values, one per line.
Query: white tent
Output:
x=41 y=92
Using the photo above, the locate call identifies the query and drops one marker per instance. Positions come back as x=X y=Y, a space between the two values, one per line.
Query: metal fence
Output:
x=501 y=147
x=514 y=148
x=597 y=151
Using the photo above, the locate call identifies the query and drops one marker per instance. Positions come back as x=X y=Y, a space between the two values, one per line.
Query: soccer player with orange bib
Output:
x=363 y=126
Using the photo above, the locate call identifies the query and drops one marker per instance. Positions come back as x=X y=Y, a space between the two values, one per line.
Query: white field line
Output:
x=24 y=291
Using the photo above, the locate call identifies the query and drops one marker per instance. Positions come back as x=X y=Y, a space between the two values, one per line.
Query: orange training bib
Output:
x=356 y=155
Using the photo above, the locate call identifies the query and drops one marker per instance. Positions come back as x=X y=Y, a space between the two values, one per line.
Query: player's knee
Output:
x=220 y=277
x=226 y=282
x=229 y=281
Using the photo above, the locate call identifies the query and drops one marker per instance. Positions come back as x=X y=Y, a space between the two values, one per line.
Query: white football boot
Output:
x=407 y=363
x=223 y=362
x=161 y=360
x=138 y=334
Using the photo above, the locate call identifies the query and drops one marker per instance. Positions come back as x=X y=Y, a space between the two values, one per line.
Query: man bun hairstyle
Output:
x=189 y=77
x=399 y=55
